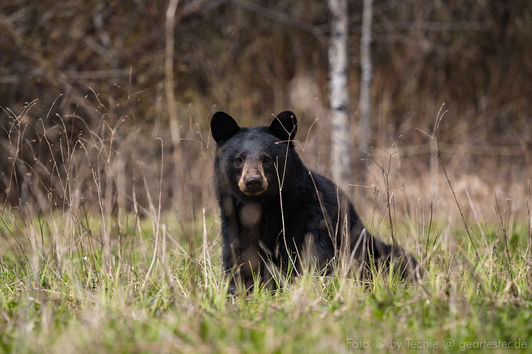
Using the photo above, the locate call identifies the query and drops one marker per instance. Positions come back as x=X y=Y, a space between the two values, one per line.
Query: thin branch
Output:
x=282 y=18
x=439 y=118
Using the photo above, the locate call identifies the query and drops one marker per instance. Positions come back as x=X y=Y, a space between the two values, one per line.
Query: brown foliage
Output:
x=97 y=72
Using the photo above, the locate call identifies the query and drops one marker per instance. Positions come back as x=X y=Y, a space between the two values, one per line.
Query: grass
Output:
x=103 y=279
x=64 y=288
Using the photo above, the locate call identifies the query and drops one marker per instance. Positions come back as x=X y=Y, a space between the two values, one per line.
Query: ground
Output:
x=174 y=300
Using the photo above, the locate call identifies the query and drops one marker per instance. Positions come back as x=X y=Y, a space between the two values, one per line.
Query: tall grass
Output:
x=104 y=262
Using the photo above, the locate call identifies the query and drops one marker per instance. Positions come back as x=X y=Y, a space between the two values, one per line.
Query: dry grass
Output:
x=97 y=258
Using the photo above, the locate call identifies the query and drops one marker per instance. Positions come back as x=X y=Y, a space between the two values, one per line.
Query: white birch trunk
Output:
x=365 y=80
x=340 y=139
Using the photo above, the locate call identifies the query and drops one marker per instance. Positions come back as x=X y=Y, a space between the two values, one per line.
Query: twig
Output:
x=206 y=257
x=505 y=236
x=439 y=118
x=476 y=218
x=157 y=225
x=428 y=233
x=385 y=175
x=529 y=234
x=528 y=248
x=282 y=18
x=388 y=198
x=280 y=182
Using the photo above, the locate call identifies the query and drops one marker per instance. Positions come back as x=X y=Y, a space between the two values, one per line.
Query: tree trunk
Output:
x=340 y=139
x=365 y=80
x=170 y=97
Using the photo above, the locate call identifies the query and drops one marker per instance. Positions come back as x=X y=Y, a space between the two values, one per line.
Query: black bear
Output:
x=276 y=213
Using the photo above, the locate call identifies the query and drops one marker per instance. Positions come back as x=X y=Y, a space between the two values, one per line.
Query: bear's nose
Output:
x=253 y=183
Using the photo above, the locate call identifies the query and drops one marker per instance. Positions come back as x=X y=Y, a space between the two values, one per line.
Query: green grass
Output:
x=61 y=293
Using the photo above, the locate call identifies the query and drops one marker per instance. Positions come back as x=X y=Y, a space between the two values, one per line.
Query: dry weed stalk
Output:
x=435 y=137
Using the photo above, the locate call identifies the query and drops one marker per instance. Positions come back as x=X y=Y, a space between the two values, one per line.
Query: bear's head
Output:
x=253 y=160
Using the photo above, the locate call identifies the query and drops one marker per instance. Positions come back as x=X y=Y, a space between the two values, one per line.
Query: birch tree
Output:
x=338 y=71
x=365 y=77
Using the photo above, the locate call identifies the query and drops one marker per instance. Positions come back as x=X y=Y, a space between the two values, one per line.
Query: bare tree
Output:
x=340 y=139
x=169 y=89
x=365 y=80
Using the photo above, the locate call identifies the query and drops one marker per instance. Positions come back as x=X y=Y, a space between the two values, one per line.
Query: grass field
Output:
x=81 y=283
x=109 y=229
x=90 y=262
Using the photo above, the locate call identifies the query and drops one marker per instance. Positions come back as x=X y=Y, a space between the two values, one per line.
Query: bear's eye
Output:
x=265 y=158
x=239 y=160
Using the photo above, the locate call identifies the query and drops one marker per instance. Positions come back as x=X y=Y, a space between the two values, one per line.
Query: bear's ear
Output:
x=223 y=127
x=284 y=126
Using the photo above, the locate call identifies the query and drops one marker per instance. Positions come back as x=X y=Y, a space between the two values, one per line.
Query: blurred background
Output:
x=85 y=120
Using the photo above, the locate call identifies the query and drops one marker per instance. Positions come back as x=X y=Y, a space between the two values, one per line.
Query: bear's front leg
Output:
x=241 y=229
x=230 y=239
x=249 y=260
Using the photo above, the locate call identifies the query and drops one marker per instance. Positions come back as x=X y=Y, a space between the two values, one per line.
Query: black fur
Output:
x=313 y=210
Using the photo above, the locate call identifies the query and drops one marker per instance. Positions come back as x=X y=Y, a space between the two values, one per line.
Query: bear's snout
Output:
x=253 y=182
